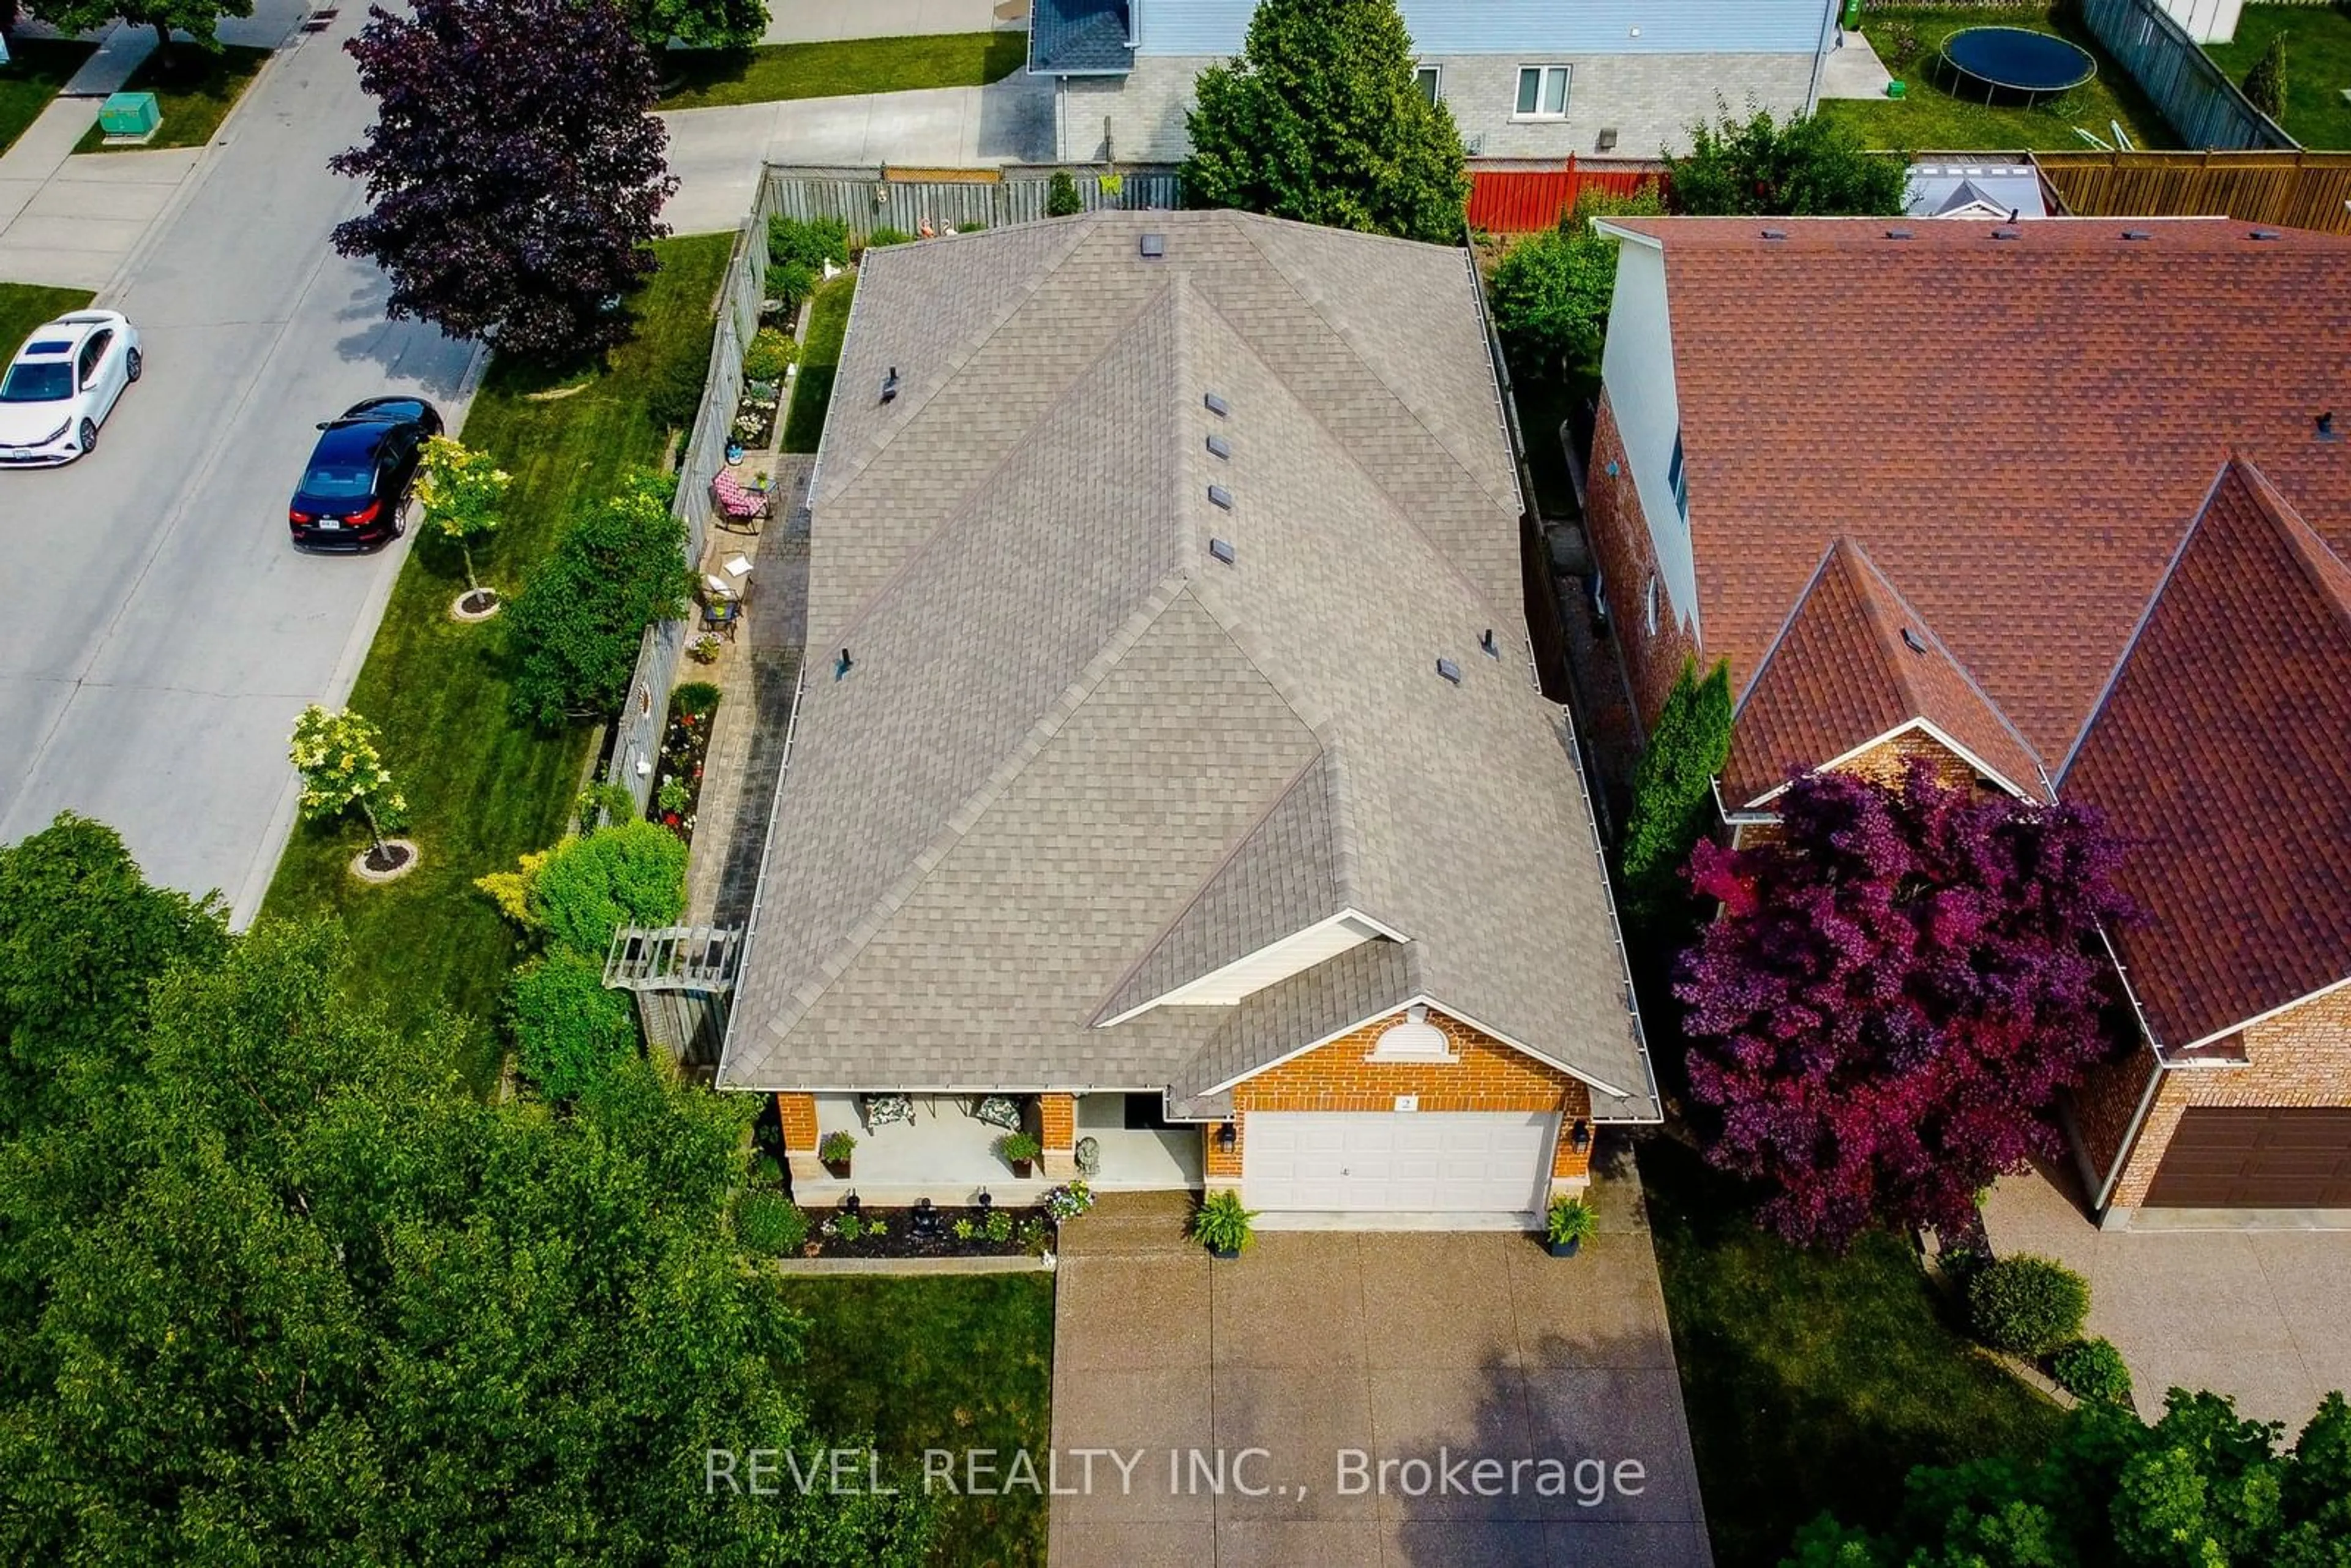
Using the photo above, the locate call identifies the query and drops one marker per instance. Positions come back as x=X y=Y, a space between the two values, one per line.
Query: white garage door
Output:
x=1443 y=1161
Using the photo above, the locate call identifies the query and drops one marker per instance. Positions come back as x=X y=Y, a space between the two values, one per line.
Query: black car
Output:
x=354 y=492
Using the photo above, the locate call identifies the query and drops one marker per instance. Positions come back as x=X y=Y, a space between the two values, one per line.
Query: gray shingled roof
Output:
x=1079 y=37
x=1077 y=761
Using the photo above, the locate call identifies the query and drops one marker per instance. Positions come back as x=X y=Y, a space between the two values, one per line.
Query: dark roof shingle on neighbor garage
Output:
x=2015 y=428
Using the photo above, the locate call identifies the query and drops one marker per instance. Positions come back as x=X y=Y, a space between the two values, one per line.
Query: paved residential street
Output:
x=159 y=633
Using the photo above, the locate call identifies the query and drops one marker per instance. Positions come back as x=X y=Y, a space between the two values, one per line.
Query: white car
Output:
x=62 y=384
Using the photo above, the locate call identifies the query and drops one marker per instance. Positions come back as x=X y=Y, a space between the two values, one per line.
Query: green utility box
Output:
x=1897 y=89
x=131 y=114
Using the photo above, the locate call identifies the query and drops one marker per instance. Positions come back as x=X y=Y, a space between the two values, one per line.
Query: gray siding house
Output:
x=1524 y=78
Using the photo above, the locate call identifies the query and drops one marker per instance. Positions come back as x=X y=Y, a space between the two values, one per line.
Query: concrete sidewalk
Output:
x=820 y=21
x=717 y=153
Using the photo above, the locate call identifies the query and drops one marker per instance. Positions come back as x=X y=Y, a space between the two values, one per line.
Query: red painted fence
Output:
x=1525 y=200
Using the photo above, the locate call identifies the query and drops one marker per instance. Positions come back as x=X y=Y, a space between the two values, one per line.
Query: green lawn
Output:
x=483 y=788
x=25 y=306
x=37 y=68
x=2317 y=66
x=1812 y=1380
x=820 y=360
x=1931 y=120
x=195 y=91
x=704 y=79
x=951 y=1362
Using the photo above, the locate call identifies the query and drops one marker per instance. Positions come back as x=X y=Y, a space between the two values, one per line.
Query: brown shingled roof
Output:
x=2224 y=753
x=2017 y=425
x=1854 y=664
x=2017 y=429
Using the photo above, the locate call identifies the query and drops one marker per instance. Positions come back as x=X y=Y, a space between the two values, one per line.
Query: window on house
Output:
x=1542 y=93
x=1650 y=605
x=1678 y=481
x=1430 y=82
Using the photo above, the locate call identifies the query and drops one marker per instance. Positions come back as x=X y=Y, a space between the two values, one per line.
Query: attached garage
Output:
x=2256 y=1157
x=1398 y=1162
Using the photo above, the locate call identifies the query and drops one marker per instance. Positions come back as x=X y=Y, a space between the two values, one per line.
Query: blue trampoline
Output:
x=2017 y=62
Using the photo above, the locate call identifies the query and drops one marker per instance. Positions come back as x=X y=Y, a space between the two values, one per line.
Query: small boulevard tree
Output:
x=336 y=754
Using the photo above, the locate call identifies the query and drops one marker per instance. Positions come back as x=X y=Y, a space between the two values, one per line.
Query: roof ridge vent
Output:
x=1898 y=233
x=1219 y=448
x=1223 y=550
x=1912 y=641
x=1775 y=233
x=2265 y=234
x=1215 y=404
x=2138 y=234
x=1152 y=246
x=2005 y=231
x=1220 y=496
x=1449 y=670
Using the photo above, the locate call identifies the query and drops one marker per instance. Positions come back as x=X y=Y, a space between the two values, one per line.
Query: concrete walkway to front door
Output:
x=1406 y=1400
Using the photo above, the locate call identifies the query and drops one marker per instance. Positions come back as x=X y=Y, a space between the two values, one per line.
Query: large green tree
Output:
x=697 y=24
x=1552 y=291
x=1672 y=788
x=200 y=19
x=1804 y=166
x=1319 y=119
x=2199 y=1489
x=278 y=1290
x=575 y=628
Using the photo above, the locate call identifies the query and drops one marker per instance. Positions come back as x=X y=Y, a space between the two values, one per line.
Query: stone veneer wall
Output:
x=1649 y=100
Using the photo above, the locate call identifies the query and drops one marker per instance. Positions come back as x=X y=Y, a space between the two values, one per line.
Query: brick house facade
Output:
x=1484 y=1075
x=2055 y=605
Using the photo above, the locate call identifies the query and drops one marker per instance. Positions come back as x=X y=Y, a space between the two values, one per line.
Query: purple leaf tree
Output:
x=514 y=174
x=1898 y=987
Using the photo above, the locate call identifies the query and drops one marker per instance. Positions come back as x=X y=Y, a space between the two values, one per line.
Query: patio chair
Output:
x=722 y=615
x=999 y=1111
x=881 y=1110
x=740 y=507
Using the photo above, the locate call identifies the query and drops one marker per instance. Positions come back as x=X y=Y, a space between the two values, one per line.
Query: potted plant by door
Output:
x=834 y=1149
x=1222 y=1226
x=1018 y=1150
x=1568 y=1226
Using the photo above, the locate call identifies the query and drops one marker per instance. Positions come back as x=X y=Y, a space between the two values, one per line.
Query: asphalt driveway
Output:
x=1391 y=1399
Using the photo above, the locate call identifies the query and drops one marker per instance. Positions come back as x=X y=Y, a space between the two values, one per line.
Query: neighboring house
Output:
x=2062 y=508
x=1524 y=78
x=1168 y=758
x=1980 y=192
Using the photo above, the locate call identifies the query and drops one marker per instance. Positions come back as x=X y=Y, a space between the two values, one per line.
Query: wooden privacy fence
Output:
x=644 y=715
x=909 y=200
x=2292 y=190
x=2195 y=94
x=1528 y=200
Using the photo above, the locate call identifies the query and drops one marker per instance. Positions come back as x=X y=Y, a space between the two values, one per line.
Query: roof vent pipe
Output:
x=1486 y=641
x=1912 y=641
x=842 y=665
x=890 y=385
x=2326 y=431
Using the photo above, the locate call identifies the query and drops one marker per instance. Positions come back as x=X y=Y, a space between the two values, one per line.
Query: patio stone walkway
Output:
x=757 y=674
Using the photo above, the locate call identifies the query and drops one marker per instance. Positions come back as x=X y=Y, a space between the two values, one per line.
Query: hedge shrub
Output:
x=632 y=874
x=568 y=1028
x=2028 y=1305
x=770 y=1224
x=2092 y=1369
x=574 y=630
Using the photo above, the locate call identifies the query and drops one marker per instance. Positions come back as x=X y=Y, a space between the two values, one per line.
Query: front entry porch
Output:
x=949 y=1155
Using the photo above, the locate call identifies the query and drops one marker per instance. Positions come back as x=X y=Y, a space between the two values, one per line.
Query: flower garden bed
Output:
x=685 y=747
x=972 y=1232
